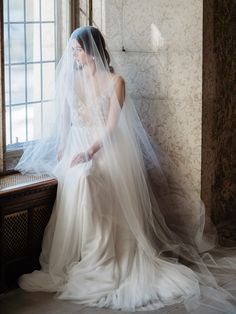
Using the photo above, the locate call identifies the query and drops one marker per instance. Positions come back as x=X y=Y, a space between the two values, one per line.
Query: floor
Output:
x=20 y=302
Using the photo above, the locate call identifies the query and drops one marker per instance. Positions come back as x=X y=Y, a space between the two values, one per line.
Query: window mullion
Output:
x=75 y=14
x=9 y=71
x=26 y=78
x=91 y=12
x=41 y=59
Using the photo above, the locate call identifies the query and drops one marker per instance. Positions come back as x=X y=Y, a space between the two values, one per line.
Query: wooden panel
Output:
x=219 y=115
x=208 y=99
x=75 y=14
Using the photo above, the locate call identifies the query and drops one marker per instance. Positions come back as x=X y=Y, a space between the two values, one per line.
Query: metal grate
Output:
x=15 y=232
x=19 y=108
x=40 y=217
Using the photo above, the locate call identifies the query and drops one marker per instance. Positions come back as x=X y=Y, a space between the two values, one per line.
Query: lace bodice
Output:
x=93 y=113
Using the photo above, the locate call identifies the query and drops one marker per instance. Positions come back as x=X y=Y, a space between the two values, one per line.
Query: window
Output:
x=86 y=9
x=83 y=12
x=35 y=34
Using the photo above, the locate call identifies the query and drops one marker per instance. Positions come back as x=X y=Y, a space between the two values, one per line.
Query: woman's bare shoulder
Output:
x=118 y=79
x=119 y=88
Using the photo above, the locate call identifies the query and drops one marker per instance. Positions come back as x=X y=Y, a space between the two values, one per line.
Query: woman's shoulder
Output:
x=119 y=84
x=118 y=79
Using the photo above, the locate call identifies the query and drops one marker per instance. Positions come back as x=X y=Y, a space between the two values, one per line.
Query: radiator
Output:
x=26 y=204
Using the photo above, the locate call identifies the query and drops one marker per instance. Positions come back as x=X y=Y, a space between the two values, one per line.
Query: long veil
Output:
x=162 y=209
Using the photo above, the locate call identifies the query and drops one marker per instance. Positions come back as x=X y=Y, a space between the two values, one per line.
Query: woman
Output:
x=125 y=231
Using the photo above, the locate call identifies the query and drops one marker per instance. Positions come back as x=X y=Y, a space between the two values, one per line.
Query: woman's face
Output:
x=79 y=53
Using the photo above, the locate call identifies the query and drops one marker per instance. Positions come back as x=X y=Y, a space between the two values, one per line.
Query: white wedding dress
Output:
x=106 y=241
x=89 y=259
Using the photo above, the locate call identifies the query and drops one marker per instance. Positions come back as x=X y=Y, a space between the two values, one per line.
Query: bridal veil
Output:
x=161 y=208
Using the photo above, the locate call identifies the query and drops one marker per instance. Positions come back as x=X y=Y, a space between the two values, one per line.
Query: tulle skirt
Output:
x=89 y=259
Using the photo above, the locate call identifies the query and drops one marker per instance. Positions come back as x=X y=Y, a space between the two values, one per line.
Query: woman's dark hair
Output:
x=82 y=35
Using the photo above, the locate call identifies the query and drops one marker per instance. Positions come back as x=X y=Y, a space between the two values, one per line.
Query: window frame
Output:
x=2 y=95
x=75 y=13
x=8 y=159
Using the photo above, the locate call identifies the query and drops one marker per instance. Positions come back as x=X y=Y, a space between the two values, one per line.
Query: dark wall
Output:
x=219 y=114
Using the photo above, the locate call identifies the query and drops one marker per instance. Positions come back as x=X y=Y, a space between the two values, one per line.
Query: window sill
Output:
x=18 y=182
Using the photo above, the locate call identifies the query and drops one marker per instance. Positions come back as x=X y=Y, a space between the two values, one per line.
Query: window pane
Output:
x=46 y=115
x=34 y=121
x=83 y=5
x=83 y=19
x=33 y=82
x=18 y=121
x=47 y=10
x=16 y=8
x=6 y=73
x=33 y=42
x=48 y=80
x=8 y=132
x=17 y=48
x=6 y=45
x=84 y=12
x=5 y=8
x=32 y=10
x=48 y=41
x=17 y=84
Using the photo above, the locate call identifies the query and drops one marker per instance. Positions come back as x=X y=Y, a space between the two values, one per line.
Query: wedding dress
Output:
x=125 y=233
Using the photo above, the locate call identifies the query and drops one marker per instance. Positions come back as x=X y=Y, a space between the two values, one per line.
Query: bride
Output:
x=127 y=231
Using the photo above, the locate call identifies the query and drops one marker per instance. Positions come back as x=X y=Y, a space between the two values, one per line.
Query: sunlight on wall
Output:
x=157 y=41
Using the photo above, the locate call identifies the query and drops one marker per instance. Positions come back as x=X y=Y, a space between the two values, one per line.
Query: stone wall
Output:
x=162 y=66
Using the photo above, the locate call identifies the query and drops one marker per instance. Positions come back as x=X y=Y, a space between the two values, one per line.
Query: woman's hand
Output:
x=80 y=158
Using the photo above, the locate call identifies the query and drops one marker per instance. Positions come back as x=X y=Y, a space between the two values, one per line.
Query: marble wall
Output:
x=162 y=66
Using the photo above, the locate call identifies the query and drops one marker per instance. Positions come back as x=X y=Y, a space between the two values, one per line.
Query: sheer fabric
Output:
x=127 y=231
